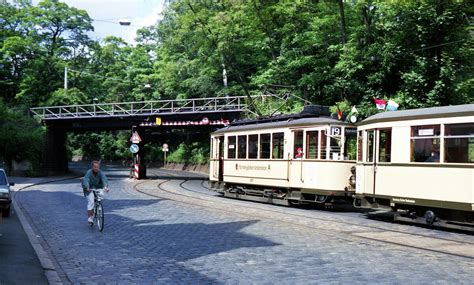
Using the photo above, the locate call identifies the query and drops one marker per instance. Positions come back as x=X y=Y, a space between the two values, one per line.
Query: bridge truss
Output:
x=145 y=108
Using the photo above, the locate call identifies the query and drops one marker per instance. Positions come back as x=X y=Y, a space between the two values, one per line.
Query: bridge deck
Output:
x=144 y=108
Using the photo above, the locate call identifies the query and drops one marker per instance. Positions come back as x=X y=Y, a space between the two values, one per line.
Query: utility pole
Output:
x=65 y=78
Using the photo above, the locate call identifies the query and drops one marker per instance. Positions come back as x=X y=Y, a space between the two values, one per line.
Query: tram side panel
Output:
x=321 y=177
x=271 y=173
x=441 y=187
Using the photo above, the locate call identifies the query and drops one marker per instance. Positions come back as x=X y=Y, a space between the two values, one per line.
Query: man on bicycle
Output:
x=93 y=179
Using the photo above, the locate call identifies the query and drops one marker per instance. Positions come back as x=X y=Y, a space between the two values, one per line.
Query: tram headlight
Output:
x=353 y=170
x=352 y=180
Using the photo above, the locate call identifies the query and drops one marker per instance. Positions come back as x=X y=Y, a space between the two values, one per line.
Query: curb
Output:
x=46 y=261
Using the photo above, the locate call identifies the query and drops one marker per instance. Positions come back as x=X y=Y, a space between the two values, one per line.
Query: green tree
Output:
x=22 y=138
x=39 y=40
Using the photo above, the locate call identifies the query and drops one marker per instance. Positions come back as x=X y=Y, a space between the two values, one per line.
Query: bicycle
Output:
x=98 y=209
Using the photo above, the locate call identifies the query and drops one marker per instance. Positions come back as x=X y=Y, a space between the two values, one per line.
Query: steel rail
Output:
x=352 y=234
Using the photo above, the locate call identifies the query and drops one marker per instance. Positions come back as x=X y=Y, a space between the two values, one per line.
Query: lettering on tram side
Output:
x=403 y=200
x=251 y=167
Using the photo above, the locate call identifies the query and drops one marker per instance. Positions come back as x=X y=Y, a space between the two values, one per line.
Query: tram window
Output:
x=231 y=147
x=459 y=143
x=350 y=144
x=370 y=146
x=385 y=145
x=242 y=146
x=277 y=145
x=323 y=145
x=298 y=143
x=425 y=143
x=335 y=146
x=265 y=146
x=312 y=141
x=253 y=146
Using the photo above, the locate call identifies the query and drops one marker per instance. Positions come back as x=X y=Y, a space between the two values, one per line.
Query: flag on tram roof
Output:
x=380 y=103
x=392 y=105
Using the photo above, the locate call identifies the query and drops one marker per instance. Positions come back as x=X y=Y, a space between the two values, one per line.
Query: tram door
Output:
x=379 y=144
x=218 y=158
x=296 y=160
x=370 y=159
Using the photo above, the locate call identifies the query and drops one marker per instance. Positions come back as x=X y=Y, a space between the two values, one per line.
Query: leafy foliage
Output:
x=22 y=138
x=344 y=53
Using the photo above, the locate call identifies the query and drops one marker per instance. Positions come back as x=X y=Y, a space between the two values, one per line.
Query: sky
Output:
x=107 y=14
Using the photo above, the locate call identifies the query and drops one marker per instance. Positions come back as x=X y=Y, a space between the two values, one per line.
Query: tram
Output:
x=420 y=164
x=307 y=157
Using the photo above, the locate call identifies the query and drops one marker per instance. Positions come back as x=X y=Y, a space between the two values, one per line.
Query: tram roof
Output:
x=291 y=122
x=425 y=113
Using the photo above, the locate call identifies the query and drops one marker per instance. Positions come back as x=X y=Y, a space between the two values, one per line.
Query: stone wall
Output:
x=201 y=168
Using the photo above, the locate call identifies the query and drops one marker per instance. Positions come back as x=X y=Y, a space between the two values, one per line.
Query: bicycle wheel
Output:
x=100 y=216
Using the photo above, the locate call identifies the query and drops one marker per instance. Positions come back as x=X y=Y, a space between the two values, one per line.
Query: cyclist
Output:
x=93 y=179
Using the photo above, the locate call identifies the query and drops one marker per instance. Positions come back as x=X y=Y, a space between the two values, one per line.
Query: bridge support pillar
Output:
x=55 y=155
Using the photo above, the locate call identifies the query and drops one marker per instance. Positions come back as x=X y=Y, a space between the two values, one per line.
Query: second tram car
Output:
x=290 y=159
x=419 y=163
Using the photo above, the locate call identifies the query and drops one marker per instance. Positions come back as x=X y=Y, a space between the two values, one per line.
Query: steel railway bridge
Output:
x=202 y=114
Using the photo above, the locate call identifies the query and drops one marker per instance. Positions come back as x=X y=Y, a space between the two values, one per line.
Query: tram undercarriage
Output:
x=282 y=196
x=421 y=215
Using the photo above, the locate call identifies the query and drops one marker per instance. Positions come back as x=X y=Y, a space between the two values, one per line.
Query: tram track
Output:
x=366 y=232
x=181 y=184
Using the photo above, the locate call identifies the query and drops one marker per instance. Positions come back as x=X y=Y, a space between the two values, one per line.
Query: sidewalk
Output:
x=23 y=259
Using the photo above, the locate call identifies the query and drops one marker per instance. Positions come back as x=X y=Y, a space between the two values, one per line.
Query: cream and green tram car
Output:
x=285 y=160
x=419 y=163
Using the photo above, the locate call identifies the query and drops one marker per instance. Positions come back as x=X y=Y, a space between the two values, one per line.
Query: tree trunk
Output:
x=343 y=22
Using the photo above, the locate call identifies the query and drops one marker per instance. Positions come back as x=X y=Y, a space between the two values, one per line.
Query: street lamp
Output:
x=124 y=22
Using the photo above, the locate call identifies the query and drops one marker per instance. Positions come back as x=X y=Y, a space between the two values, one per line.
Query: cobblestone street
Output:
x=160 y=240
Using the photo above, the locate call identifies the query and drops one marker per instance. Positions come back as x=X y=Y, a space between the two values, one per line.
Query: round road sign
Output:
x=134 y=148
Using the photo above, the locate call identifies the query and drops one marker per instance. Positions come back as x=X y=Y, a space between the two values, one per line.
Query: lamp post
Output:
x=65 y=78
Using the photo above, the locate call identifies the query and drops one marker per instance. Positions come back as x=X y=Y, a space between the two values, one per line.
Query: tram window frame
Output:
x=242 y=147
x=459 y=143
x=323 y=145
x=350 y=143
x=252 y=146
x=298 y=138
x=231 y=147
x=369 y=156
x=278 y=148
x=312 y=147
x=360 y=144
x=385 y=146
x=425 y=143
x=265 y=146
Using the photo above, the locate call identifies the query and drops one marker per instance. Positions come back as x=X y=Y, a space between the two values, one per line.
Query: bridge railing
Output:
x=201 y=105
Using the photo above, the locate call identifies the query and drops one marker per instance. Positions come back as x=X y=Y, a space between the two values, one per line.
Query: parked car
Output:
x=5 y=194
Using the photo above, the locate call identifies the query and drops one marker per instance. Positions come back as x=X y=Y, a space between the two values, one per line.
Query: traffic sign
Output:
x=134 y=148
x=135 y=138
x=165 y=147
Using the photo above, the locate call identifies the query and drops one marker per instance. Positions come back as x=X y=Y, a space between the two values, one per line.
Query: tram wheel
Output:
x=321 y=198
x=430 y=217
